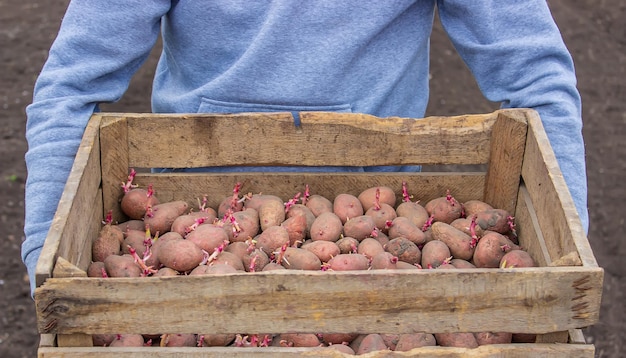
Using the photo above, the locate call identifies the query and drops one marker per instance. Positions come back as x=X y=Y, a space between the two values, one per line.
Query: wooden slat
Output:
x=528 y=300
x=70 y=226
x=527 y=227
x=115 y=166
x=423 y=186
x=557 y=215
x=508 y=138
x=488 y=351
x=322 y=139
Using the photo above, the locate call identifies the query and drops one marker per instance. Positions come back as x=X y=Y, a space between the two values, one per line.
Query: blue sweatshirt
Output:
x=239 y=55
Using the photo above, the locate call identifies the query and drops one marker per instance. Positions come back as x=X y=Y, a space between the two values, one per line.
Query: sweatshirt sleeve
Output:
x=100 y=45
x=517 y=55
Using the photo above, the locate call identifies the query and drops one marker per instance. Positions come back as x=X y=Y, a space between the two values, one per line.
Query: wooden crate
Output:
x=522 y=176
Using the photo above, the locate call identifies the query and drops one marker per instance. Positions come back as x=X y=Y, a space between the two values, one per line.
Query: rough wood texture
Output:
x=552 y=299
x=489 y=351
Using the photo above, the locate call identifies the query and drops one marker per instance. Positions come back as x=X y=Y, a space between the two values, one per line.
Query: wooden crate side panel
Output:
x=488 y=351
x=322 y=139
x=557 y=215
x=508 y=140
x=529 y=300
x=423 y=186
x=115 y=166
x=79 y=211
x=528 y=230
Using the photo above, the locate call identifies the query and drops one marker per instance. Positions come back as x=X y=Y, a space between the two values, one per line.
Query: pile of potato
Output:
x=261 y=232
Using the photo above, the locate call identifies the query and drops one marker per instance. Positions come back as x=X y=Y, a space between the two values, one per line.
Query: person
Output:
x=290 y=55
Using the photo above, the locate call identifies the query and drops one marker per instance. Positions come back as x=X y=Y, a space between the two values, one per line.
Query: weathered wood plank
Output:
x=70 y=225
x=115 y=166
x=322 y=139
x=488 y=351
x=529 y=300
x=508 y=138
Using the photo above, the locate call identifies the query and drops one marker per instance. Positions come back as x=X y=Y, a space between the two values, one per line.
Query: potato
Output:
x=302 y=210
x=208 y=237
x=390 y=340
x=348 y=245
x=462 y=264
x=456 y=339
x=465 y=225
x=188 y=222
x=338 y=338
x=165 y=272
x=484 y=338
x=216 y=339
x=109 y=242
x=497 y=220
x=136 y=201
x=298 y=340
x=319 y=204
x=272 y=239
x=342 y=348
x=405 y=250
x=213 y=268
x=95 y=269
x=472 y=207
x=371 y=343
x=239 y=248
x=347 y=206
x=490 y=250
x=255 y=261
x=445 y=209
x=369 y=247
x=382 y=216
x=137 y=240
x=327 y=227
x=517 y=258
x=133 y=224
x=272 y=266
x=271 y=213
x=347 y=262
x=160 y=218
x=300 y=259
x=179 y=340
x=181 y=255
x=247 y=225
x=459 y=243
x=230 y=259
x=403 y=227
x=297 y=229
x=229 y=205
x=408 y=341
x=256 y=200
x=384 y=260
x=359 y=227
x=103 y=340
x=414 y=212
x=401 y=265
x=434 y=253
x=378 y=195
x=324 y=250
x=153 y=259
x=122 y=266
x=128 y=340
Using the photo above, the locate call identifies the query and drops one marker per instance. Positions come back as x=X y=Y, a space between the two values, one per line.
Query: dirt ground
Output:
x=591 y=29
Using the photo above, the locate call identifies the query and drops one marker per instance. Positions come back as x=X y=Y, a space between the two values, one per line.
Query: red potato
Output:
x=456 y=339
x=239 y=248
x=103 y=340
x=229 y=204
x=137 y=201
x=472 y=207
x=390 y=340
x=371 y=343
x=348 y=245
x=414 y=212
x=490 y=250
x=246 y=225
x=137 y=240
x=213 y=269
x=271 y=213
x=180 y=254
x=300 y=259
x=255 y=261
x=165 y=272
x=302 y=210
x=517 y=258
x=401 y=265
x=403 y=227
x=324 y=250
x=122 y=266
x=484 y=338
x=95 y=269
x=462 y=264
x=348 y=262
x=128 y=340
x=445 y=209
x=160 y=218
x=272 y=239
x=384 y=260
x=359 y=227
x=497 y=220
x=230 y=259
x=347 y=206
x=405 y=250
x=382 y=216
x=216 y=339
x=378 y=195
x=255 y=201
x=109 y=242
x=381 y=237
x=179 y=340
x=297 y=229
x=342 y=348
x=188 y=222
x=298 y=340
x=132 y=224
x=409 y=341
x=465 y=225
x=338 y=338
x=327 y=227
x=208 y=237
x=319 y=204
x=434 y=253
x=153 y=259
x=370 y=247
x=459 y=243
